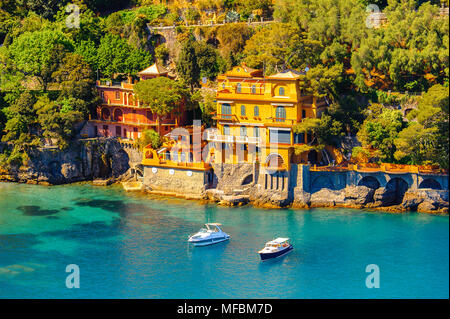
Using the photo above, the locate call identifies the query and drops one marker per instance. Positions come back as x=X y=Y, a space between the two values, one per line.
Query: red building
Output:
x=122 y=115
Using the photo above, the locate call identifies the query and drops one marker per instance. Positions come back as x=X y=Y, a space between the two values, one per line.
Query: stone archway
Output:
x=369 y=181
x=430 y=183
x=274 y=160
x=214 y=42
x=397 y=188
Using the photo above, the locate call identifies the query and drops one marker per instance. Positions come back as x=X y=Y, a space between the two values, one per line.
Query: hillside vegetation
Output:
x=369 y=73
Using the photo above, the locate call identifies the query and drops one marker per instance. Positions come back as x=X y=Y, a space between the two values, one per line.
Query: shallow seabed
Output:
x=135 y=246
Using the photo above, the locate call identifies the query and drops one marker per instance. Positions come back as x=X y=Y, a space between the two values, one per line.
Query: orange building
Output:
x=121 y=114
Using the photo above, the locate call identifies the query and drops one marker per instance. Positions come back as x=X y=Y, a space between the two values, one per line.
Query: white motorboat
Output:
x=275 y=248
x=211 y=233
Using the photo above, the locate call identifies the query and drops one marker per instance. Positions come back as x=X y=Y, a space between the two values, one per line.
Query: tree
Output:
x=232 y=38
x=380 y=133
x=39 y=53
x=149 y=137
x=57 y=119
x=207 y=60
x=187 y=66
x=116 y=56
x=76 y=81
x=149 y=92
x=280 y=46
x=426 y=139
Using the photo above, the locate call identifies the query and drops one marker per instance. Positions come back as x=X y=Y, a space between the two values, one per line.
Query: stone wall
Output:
x=175 y=180
x=302 y=187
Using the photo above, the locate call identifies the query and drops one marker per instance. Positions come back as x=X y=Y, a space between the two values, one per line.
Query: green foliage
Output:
x=149 y=92
x=326 y=130
x=38 y=53
x=57 y=118
x=149 y=137
x=380 y=132
x=162 y=54
x=280 y=46
x=207 y=60
x=116 y=56
x=426 y=139
x=206 y=101
x=187 y=65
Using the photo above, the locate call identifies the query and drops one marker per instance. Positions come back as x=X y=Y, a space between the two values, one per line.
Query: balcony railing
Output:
x=214 y=137
x=248 y=139
x=226 y=117
x=133 y=121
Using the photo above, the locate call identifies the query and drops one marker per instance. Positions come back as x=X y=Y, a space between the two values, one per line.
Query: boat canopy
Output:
x=278 y=241
x=213 y=226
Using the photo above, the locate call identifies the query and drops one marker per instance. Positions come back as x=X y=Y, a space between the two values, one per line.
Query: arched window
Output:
x=303 y=114
x=238 y=88
x=118 y=115
x=281 y=91
x=280 y=114
x=223 y=86
x=243 y=131
x=256 y=111
x=105 y=114
x=242 y=110
x=253 y=89
x=226 y=130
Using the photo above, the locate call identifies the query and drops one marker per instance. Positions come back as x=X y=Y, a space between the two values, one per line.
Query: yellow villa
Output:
x=255 y=117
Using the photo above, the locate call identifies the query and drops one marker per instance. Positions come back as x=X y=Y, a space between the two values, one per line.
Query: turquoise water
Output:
x=134 y=246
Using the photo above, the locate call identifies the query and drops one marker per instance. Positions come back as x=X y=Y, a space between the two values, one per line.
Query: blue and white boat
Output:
x=211 y=233
x=275 y=248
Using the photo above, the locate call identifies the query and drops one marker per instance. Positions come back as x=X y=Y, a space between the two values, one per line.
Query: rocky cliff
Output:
x=88 y=159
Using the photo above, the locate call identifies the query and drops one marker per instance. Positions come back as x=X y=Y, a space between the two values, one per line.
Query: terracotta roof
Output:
x=244 y=71
x=155 y=69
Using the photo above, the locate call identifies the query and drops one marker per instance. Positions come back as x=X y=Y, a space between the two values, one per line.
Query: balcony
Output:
x=226 y=117
x=248 y=139
x=214 y=137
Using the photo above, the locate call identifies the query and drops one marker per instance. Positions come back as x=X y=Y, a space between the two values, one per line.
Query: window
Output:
x=103 y=95
x=280 y=114
x=223 y=86
x=253 y=89
x=117 y=95
x=256 y=111
x=226 y=130
x=303 y=114
x=226 y=111
x=281 y=91
x=243 y=131
x=242 y=110
x=283 y=137
x=256 y=131
x=238 y=88
x=299 y=138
